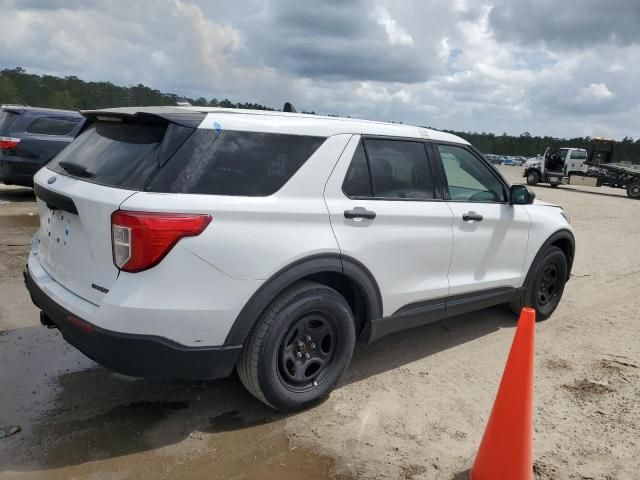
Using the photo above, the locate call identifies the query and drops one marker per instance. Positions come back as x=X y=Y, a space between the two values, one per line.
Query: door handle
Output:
x=360 y=212
x=467 y=217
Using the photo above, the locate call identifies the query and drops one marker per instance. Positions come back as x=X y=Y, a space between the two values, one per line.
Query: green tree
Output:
x=62 y=99
x=8 y=91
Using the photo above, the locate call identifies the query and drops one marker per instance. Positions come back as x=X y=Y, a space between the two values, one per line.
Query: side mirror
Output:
x=522 y=195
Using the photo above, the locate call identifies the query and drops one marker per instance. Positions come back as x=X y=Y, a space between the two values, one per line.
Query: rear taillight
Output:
x=141 y=239
x=7 y=143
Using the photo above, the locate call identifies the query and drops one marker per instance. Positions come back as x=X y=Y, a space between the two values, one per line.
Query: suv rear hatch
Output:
x=8 y=117
x=115 y=156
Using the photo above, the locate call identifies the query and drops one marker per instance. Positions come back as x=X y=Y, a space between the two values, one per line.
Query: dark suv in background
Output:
x=30 y=137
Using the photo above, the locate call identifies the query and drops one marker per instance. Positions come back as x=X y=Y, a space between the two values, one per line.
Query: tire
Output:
x=544 y=284
x=284 y=368
x=633 y=190
x=533 y=178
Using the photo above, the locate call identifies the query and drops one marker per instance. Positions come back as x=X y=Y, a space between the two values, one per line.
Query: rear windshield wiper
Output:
x=75 y=169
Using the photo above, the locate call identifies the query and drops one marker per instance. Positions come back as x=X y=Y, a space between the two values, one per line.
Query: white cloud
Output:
x=395 y=34
x=595 y=91
x=458 y=65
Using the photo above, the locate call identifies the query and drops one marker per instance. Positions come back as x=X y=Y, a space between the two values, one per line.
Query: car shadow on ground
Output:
x=72 y=411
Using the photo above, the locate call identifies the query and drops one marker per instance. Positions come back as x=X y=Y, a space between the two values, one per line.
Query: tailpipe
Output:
x=46 y=321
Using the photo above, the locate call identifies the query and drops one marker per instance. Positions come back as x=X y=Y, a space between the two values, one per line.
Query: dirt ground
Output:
x=411 y=406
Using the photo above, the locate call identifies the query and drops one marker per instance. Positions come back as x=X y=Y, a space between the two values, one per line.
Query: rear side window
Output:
x=398 y=169
x=253 y=164
x=52 y=126
x=112 y=153
x=6 y=120
x=579 y=155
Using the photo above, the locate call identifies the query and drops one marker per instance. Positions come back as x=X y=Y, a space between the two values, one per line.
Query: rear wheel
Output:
x=533 y=178
x=299 y=348
x=633 y=190
x=544 y=285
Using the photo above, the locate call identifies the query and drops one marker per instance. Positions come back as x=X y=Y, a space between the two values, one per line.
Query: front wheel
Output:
x=633 y=190
x=299 y=348
x=533 y=178
x=544 y=284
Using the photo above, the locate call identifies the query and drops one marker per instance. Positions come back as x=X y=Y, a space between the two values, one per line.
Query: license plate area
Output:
x=58 y=228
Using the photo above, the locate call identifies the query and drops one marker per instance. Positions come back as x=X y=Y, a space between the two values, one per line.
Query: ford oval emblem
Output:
x=51 y=180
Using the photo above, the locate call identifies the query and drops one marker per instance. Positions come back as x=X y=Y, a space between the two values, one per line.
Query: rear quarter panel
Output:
x=251 y=238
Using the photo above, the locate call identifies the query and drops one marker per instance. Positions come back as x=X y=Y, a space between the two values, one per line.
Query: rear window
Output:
x=579 y=155
x=253 y=164
x=6 y=120
x=114 y=154
x=52 y=126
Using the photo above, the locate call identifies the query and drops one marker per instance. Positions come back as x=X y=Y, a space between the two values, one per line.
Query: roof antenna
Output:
x=288 y=107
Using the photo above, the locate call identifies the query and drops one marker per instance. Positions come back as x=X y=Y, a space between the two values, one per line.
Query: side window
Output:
x=52 y=126
x=399 y=169
x=469 y=179
x=578 y=155
x=251 y=164
x=357 y=182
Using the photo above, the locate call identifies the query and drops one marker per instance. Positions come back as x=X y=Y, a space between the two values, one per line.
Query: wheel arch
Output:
x=565 y=241
x=345 y=274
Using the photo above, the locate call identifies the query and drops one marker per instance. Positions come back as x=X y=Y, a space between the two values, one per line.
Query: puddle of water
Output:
x=19 y=221
x=80 y=420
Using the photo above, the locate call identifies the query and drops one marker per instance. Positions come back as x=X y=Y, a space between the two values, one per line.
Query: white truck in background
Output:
x=574 y=166
x=556 y=167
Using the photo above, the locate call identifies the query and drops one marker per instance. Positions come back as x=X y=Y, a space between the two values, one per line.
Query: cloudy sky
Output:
x=545 y=66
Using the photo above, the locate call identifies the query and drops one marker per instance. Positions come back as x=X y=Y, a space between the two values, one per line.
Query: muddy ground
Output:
x=411 y=406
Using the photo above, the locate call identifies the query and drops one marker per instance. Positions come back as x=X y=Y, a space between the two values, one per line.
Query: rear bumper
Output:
x=134 y=354
x=17 y=171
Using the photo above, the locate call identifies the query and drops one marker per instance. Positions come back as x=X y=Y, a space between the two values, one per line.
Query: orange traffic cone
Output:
x=506 y=450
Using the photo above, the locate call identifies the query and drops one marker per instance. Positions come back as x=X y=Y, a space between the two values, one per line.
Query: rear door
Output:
x=489 y=234
x=75 y=233
x=79 y=191
x=384 y=212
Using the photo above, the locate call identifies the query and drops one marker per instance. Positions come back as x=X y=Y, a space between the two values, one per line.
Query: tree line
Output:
x=71 y=93
x=625 y=150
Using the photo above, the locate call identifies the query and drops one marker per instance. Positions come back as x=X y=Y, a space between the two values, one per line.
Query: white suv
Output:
x=184 y=242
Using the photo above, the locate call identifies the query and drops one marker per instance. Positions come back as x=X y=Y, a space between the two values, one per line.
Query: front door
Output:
x=489 y=234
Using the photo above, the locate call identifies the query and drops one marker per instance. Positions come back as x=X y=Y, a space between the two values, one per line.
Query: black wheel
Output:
x=533 y=178
x=633 y=190
x=299 y=348
x=544 y=284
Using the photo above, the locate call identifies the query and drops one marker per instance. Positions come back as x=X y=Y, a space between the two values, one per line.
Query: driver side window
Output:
x=469 y=180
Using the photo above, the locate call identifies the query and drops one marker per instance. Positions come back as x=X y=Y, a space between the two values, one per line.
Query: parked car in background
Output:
x=494 y=159
x=189 y=241
x=30 y=137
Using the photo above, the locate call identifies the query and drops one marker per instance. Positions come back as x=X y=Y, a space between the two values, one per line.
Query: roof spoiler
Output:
x=178 y=116
x=13 y=108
